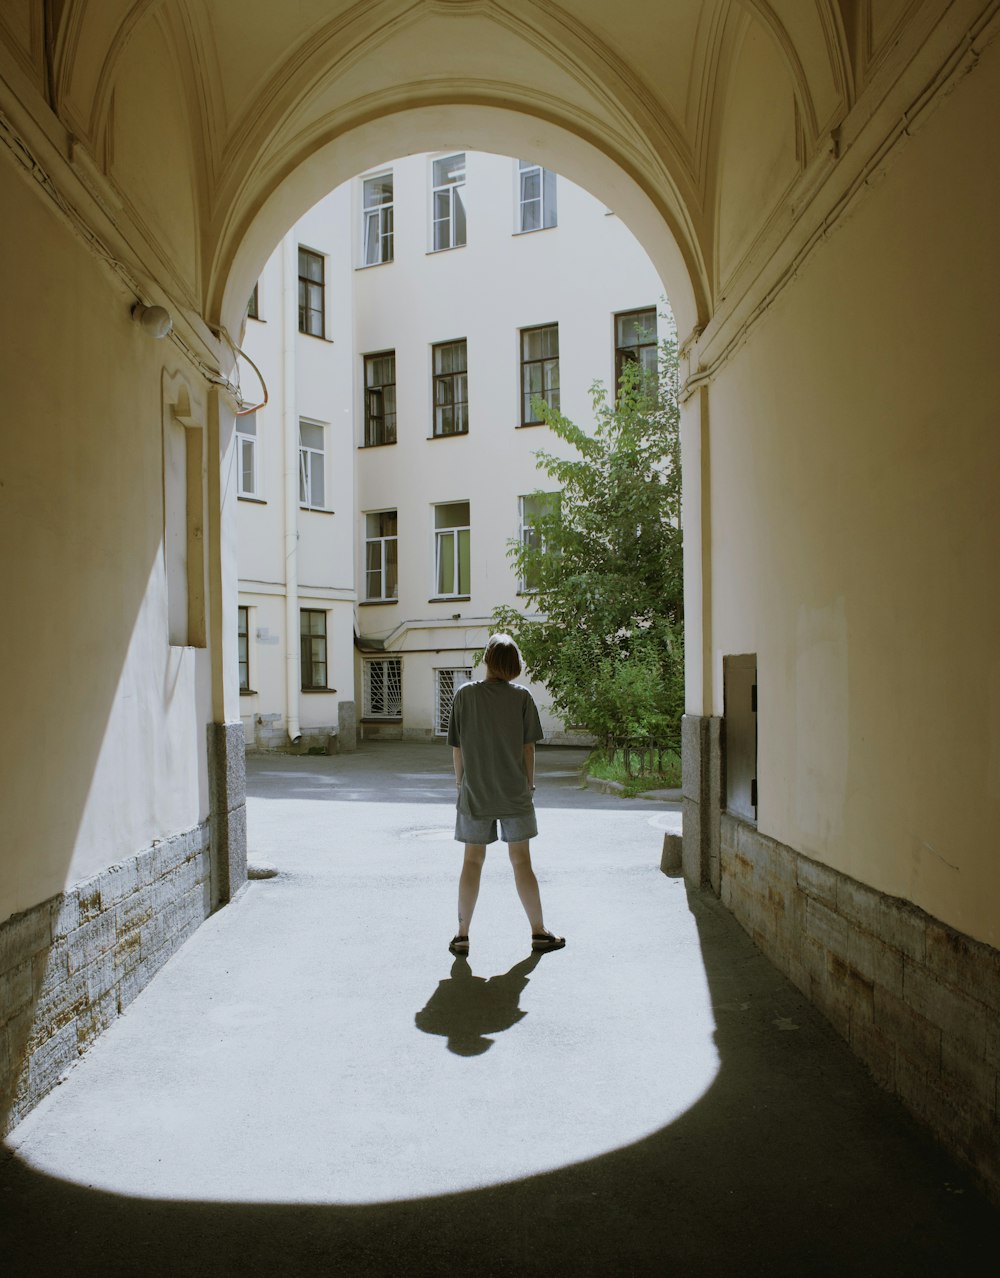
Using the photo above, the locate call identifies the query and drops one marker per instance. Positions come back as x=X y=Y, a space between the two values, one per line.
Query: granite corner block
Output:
x=693 y=743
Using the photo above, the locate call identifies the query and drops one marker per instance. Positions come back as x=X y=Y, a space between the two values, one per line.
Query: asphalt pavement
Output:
x=314 y=1085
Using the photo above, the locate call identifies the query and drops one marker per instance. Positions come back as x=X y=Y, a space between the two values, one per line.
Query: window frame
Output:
x=247 y=438
x=253 y=304
x=440 y=380
x=310 y=661
x=383 y=542
x=383 y=214
x=307 y=467
x=526 y=397
x=367 y=710
x=243 y=646
x=305 y=283
x=525 y=528
x=456 y=204
x=453 y=532
x=620 y=360
x=368 y=390
x=547 y=199
x=441 y=721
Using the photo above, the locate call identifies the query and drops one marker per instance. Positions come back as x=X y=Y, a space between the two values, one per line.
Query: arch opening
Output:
x=267 y=217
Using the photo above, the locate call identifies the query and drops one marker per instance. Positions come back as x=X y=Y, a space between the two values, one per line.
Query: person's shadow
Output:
x=466 y=1008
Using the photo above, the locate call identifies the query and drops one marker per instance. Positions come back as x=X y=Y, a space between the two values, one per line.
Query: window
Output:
x=537 y=197
x=312 y=630
x=383 y=688
x=446 y=684
x=449 y=201
x=635 y=342
x=253 y=306
x=381 y=564
x=312 y=458
x=451 y=389
x=246 y=455
x=312 y=293
x=244 y=647
x=539 y=370
x=534 y=508
x=380 y=399
x=451 y=549
x=377 y=229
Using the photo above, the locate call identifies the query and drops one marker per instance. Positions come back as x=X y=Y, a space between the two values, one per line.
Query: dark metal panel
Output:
x=739 y=682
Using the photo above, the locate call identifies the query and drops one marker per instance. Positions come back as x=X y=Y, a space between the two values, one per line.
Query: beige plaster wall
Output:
x=854 y=465
x=103 y=745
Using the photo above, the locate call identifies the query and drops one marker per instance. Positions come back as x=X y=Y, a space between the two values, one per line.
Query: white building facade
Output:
x=403 y=329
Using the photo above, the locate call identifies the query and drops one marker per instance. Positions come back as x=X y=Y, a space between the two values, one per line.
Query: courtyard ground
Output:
x=313 y=1085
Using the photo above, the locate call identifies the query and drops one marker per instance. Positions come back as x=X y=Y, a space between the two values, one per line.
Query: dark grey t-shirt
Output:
x=492 y=721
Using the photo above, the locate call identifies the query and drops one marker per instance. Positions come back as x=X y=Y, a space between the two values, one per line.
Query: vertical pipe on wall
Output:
x=290 y=428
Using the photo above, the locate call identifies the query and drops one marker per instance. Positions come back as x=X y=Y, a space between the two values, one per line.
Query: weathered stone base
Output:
x=69 y=966
x=347 y=727
x=227 y=778
x=375 y=730
x=321 y=740
x=918 y=1001
x=701 y=787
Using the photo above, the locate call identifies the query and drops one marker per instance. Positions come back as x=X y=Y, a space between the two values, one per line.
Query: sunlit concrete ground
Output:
x=314 y=1084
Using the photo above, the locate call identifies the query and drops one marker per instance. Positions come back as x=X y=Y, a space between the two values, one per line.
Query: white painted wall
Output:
x=855 y=459
x=106 y=748
x=577 y=274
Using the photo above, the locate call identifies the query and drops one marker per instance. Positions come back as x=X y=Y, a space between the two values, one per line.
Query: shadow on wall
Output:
x=792 y=1163
x=81 y=549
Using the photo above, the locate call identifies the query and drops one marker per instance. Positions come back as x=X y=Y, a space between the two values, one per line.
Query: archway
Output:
x=822 y=169
x=488 y=301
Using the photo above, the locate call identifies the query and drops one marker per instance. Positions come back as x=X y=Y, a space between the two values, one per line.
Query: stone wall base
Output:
x=916 y=1000
x=701 y=790
x=227 y=779
x=321 y=740
x=69 y=966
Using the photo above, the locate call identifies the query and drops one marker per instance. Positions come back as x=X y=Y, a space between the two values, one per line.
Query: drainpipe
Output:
x=290 y=424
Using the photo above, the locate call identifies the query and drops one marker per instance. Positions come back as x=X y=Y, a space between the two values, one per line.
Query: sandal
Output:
x=544 y=941
x=459 y=945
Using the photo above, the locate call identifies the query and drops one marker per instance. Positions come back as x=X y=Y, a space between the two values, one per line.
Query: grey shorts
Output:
x=513 y=829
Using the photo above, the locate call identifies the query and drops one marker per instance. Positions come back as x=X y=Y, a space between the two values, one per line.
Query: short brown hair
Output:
x=502 y=657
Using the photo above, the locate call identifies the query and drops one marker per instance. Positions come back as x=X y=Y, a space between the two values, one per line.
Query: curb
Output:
x=617 y=788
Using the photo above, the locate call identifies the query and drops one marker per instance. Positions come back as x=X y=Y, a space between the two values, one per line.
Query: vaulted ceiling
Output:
x=197 y=114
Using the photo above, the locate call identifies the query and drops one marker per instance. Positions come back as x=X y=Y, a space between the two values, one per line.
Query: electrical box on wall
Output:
x=739 y=683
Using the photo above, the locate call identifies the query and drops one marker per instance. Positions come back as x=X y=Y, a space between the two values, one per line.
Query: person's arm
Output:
x=529 y=763
x=456 y=759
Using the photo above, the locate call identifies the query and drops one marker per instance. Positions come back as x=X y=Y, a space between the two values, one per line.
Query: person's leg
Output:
x=468 y=885
x=527 y=890
x=526 y=883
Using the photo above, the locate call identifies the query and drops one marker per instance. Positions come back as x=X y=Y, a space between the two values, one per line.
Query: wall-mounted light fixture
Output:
x=154 y=319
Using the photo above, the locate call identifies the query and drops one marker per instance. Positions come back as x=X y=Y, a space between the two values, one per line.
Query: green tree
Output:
x=605 y=563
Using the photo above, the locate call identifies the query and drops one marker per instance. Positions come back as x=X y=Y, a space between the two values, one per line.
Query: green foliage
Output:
x=641 y=770
x=607 y=564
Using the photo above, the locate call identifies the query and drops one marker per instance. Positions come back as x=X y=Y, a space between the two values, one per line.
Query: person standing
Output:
x=492 y=731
